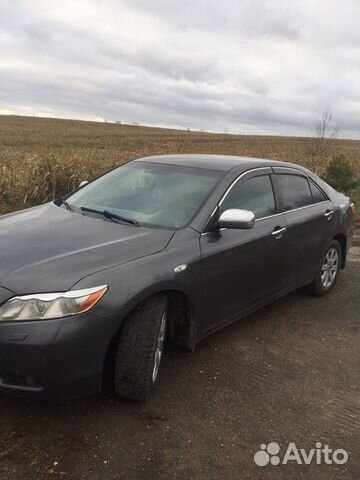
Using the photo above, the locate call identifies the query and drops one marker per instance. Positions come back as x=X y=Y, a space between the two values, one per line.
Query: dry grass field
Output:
x=42 y=159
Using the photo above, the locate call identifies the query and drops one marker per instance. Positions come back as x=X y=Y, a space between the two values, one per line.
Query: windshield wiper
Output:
x=111 y=216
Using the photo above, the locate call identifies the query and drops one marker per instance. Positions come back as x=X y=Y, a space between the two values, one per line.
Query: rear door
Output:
x=240 y=268
x=309 y=219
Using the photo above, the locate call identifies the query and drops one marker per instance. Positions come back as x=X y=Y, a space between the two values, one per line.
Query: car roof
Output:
x=223 y=163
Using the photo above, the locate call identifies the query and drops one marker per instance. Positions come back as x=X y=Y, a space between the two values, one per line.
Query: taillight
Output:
x=353 y=208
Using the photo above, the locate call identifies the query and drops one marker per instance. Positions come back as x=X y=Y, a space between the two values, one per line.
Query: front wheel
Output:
x=328 y=272
x=140 y=349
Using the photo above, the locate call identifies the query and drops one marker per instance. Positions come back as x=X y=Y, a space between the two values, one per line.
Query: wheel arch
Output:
x=181 y=315
x=183 y=311
x=182 y=324
x=341 y=238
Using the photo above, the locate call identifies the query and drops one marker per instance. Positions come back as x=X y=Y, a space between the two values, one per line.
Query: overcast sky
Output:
x=248 y=66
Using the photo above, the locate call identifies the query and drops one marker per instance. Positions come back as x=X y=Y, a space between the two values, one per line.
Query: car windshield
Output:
x=151 y=194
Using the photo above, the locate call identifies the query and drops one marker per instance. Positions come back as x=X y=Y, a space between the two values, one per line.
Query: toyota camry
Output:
x=161 y=248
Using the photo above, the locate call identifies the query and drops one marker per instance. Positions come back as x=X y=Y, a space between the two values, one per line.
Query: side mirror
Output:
x=83 y=183
x=236 y=218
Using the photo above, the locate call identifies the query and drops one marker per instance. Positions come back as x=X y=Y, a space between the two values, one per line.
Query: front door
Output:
x=241 y=268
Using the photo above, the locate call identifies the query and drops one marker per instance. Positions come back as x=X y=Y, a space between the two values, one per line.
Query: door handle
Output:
x=278 y=232
x=329 y=214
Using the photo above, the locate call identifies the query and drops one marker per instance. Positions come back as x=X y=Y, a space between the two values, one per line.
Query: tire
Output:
x=140 y=349
x=320 y=286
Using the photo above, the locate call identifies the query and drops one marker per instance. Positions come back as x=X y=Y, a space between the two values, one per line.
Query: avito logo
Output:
x=270 y=454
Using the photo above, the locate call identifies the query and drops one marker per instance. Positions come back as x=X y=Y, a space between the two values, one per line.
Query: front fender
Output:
x=134 y=281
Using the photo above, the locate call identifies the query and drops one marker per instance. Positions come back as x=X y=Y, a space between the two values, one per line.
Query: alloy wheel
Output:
x=329 y=268
x=159 y=347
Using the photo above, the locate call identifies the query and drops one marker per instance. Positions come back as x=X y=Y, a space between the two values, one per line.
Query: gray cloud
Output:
x=168 y=63
x=261 y=18
x=253 y=67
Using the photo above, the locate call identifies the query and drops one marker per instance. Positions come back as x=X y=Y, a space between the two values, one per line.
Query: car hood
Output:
x=48 y=249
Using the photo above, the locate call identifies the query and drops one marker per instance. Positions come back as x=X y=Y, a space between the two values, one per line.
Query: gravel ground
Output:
x=289 y=373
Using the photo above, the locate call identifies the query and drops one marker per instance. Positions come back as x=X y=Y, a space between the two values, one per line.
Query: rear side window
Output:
x=317 y=195
x=255 y=194
x=295 y=191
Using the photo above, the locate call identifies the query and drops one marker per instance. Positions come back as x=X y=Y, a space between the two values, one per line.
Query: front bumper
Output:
x=56 y=359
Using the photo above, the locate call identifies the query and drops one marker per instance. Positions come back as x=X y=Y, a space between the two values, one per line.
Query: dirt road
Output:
x=289 y=373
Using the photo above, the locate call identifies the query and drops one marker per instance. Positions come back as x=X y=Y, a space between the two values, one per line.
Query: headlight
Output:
x=50 y=305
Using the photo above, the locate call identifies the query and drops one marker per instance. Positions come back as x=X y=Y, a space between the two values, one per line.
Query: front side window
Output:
x=295 y=191
x=154 y=195
x=255 y=194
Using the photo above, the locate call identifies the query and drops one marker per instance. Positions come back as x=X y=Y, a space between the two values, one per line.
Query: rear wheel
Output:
x=328 y=272
x=140 y=349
